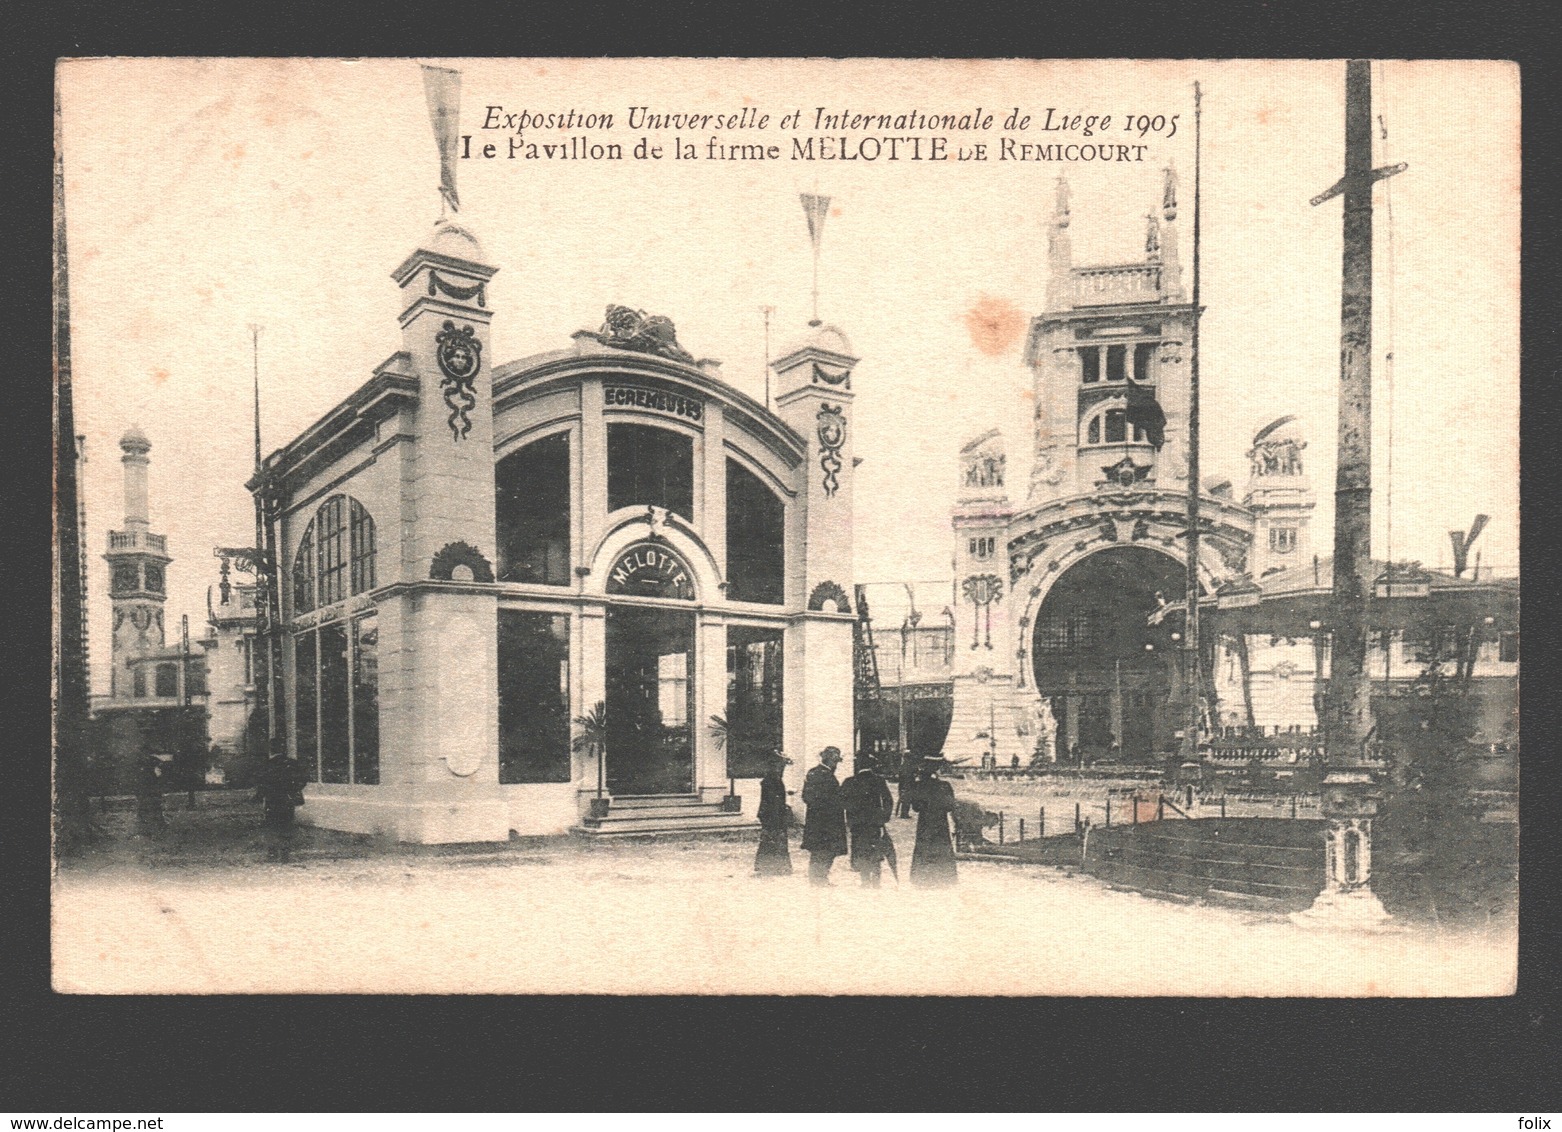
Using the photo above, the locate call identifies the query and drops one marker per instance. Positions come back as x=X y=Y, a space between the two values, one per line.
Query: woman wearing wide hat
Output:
x=774 y=858
x=933 y=799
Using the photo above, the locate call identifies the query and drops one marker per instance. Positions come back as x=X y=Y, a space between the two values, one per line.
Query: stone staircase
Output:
x=656 y=815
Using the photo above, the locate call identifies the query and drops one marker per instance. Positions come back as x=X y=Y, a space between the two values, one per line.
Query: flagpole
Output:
x=768 y=310
x=1193 y=677
x=818 y=237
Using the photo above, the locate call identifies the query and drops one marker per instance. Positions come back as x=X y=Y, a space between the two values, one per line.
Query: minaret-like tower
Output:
x=138 y=562
x=1105 y=326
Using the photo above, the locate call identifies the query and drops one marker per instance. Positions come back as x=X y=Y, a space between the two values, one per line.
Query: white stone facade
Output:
x=417 y=453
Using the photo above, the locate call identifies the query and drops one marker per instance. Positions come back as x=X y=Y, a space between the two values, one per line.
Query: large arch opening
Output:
x=1112 y=678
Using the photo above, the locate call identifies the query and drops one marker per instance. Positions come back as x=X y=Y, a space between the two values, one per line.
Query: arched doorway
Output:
x=1112 y=677
x=649 y=674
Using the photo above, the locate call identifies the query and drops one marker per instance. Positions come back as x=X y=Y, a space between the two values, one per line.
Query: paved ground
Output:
x=188 y=916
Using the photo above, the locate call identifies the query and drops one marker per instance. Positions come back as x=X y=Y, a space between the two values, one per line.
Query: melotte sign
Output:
x=647 y=570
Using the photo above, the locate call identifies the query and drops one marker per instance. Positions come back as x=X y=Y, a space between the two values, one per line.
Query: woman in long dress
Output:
x=774 y=858
x=933 y=799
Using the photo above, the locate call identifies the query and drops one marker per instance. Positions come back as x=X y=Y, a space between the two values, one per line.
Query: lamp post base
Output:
x=1355 y=909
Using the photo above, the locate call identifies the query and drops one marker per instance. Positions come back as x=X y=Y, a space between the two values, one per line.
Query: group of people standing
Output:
x=851 y=819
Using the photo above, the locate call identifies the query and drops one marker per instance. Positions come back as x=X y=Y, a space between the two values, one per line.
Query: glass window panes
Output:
x=366 y=700
x=649 y=466
x=334 y=733
x=534 y=721
x=335 y=555
x=532 y=512
x=756 y=538
x=1116 y=358
x=1090 y=364
x=754 y=699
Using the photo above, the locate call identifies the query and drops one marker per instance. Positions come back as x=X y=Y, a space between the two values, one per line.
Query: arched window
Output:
x=649 y=466
x=335 y=555
x=1109 y=425
x=532 y=512
x=756 y=538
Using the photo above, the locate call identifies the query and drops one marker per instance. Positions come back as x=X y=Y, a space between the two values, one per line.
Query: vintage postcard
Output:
x=781 y=526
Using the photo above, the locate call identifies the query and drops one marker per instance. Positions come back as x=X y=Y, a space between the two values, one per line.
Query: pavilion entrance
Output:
x=650 y=700
x=1112 y=678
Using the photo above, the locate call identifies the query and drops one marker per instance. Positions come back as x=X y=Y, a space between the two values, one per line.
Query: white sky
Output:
x=205 y=195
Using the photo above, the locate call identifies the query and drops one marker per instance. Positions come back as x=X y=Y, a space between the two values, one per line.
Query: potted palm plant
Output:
x=719 y=732
x=591 y=737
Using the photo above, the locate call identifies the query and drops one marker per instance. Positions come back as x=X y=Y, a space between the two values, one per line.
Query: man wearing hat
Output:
x=866 y=799
x=774 y=858
x=824 y=826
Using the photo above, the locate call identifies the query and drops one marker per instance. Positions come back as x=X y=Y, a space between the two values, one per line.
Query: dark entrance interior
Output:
x=1113 y=679
x=650 y=701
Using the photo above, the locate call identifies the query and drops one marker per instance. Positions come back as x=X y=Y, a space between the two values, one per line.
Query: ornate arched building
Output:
x=1055 y=645
x=476 y=556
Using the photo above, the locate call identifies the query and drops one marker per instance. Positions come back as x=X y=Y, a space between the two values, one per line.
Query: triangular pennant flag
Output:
x=816 y=208
x=442 y=87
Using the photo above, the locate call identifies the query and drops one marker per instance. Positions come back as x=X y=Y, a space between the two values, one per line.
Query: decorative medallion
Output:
x=832 y=435
x=829 y=591
x=454 y=291
x=1125 y=473
x=982 y=590
x=460 y=356
x=1285 y=670
x=625 y=328
x=460 y=558
x=983 y=674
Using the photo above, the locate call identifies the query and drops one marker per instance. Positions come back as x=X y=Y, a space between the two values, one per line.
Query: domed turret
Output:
x=135 y=441
x=456 y=241
x=828 y=338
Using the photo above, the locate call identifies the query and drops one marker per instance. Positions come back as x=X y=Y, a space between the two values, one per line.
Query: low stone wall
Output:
x=1276 y=861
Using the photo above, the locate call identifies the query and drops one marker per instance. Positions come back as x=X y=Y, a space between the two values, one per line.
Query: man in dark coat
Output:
x=773 y=858
x=866 y=799
x=280 y=789
x=824 y=826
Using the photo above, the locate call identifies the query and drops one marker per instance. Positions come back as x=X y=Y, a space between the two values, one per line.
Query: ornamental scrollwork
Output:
x=832 y=435
x=454 y=291
x=982 y=591
x=459 y=354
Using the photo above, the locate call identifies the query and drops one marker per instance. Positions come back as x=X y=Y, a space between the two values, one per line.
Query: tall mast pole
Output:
x=1348 y=794
x=1192 y=668
x=1348 y=705
x=265 y=706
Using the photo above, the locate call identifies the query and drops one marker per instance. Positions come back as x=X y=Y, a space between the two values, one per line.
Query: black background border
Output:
x=335 y=1053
